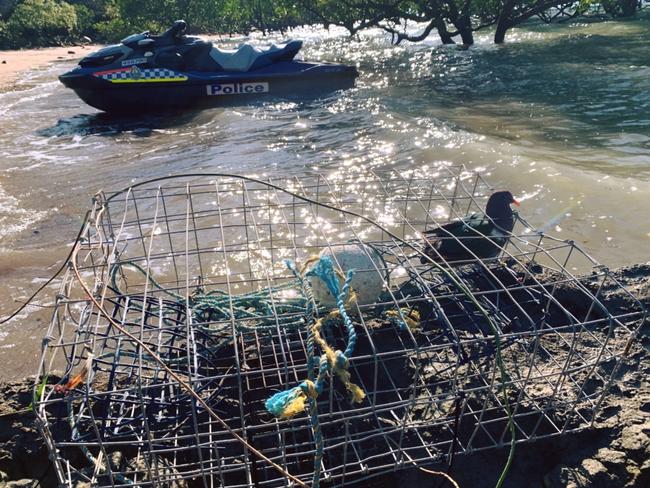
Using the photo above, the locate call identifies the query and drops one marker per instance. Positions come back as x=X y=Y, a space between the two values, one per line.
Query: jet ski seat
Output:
x=197 y=57
x=248 y=57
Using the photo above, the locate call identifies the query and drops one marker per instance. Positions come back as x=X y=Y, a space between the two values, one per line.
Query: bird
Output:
x=480 y=236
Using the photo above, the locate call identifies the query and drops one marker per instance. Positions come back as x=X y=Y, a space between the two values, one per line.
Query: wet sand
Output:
x=13 y=63
x=615 y=451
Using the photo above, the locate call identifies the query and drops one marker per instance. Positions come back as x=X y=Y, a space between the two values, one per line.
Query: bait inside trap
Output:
x=225 y=331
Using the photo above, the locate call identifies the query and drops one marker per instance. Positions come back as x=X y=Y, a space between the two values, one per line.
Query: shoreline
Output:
x=614 y=451
x=14 y=63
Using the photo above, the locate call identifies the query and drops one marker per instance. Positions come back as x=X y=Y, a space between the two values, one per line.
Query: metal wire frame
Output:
x=130 y=422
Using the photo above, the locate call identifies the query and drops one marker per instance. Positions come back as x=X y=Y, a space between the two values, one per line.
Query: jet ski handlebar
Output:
x=176 y=31
x=173 y=35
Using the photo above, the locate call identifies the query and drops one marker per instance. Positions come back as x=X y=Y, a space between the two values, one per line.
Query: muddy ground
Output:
x=615 y=453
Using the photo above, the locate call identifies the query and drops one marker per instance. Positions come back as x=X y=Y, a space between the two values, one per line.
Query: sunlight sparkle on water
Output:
x=570 y=101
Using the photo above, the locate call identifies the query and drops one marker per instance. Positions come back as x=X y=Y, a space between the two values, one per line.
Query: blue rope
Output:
x=310 y=314
x=323 y=369
x=315 y=424
x=289 y=402
x=216 y=306
x=324 y=269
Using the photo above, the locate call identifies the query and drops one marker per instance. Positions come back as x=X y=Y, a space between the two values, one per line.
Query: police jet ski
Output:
x=173 y=71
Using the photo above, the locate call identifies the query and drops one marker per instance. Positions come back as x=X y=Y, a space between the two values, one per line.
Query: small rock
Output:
x=610 y=457
x=633 y=471
x=594 y=469
x=564 y=477
x=4 y=62
x=24 y=483
x=634 y=440
x=3 y=476
x=70 y=52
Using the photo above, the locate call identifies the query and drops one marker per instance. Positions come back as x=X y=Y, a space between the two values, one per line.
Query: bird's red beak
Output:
x=516 y=202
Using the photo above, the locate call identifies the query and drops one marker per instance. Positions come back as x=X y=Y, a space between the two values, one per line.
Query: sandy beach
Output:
x=12 y=63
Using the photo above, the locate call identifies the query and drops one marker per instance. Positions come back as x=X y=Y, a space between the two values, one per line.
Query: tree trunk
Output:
x=504 y=22
x=464 y=26
x=628 y=7
x=445 y=37
x=502 y=27
x=462 y=21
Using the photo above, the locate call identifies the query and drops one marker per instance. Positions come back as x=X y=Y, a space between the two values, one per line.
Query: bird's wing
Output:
x=475 y=235
x=479 y=226
x=474 y=225
x=452 y=228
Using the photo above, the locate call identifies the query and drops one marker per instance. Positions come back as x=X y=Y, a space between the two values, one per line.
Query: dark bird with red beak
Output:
x=481 y=236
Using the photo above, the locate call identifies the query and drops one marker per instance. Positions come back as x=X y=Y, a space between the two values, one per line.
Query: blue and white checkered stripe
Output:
x=124 y=75
x=143 y=75
x=159 y=73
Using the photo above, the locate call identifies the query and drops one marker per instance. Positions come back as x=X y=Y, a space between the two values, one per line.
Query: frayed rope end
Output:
x=357 y=395
x=287 y=404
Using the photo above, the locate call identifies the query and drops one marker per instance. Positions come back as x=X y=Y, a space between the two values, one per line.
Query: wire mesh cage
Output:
x=215 y=330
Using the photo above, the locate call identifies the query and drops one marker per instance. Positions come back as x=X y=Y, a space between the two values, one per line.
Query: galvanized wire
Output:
x=179 y=298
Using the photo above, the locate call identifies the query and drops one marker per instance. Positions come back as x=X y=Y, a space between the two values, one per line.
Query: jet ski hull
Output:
x=134 y=89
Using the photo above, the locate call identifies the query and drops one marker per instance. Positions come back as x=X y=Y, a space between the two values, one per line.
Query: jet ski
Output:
x=174 y=71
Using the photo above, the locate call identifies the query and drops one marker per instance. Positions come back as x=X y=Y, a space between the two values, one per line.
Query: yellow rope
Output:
x=410 y=317
x=297 y=405
x=175 y=376
x=340 y=367
x=356 y=393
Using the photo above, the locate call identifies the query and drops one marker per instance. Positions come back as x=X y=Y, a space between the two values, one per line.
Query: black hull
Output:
x=195 y=93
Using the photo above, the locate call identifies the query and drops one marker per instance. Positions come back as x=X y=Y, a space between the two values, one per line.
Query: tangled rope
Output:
x=260 y=309
x=260 y=306
x=288 y=403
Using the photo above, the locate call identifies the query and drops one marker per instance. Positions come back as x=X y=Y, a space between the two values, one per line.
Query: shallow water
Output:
x=560 y=115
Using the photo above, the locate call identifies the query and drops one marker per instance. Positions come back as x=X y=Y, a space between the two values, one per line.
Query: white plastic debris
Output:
x=368 y=280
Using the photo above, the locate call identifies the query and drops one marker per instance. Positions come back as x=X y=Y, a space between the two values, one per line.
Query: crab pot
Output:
x=186 y=305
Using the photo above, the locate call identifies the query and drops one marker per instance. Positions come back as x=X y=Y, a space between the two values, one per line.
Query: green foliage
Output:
x=4 y=35
x=112 y=30
x=85 y=18
x=41 y=23
x=487 y=10
x=47 y=22
x=621 y=8
x=109 y=24
x=154 y=15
